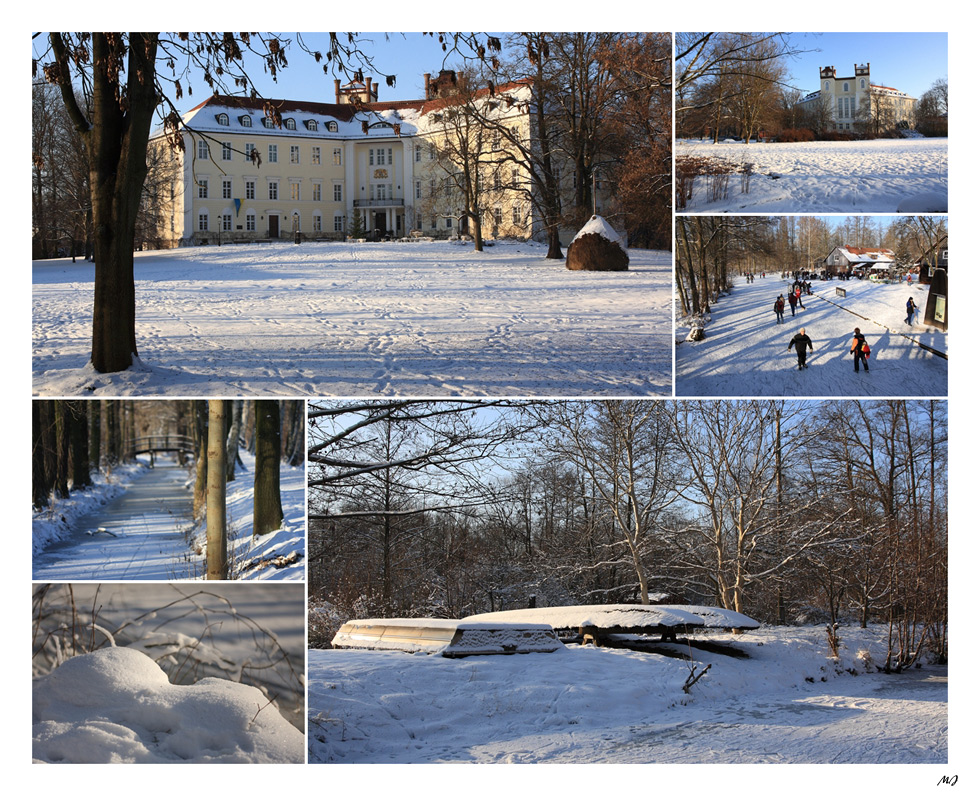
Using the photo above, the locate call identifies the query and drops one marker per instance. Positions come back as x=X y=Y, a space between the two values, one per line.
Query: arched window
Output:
x=290 y=124
x=826 y=86
x=312 y=124
x=846 y=88
x=223 y=119
x=862 y=84
x=332 y=127
x=245 y=121
x=267 y=122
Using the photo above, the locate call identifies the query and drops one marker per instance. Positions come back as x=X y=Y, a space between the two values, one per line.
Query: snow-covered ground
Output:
x=136 y=525
x=168 y=673
x=786 y=703
x=907 y=175
x=744 y=351
x=432 y=319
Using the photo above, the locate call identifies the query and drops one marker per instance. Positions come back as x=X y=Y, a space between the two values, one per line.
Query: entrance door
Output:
x=273 y=226
x=381 y=224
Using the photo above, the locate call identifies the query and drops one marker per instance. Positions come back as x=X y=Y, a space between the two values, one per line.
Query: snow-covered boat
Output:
x=668 y=620
x=449 y=637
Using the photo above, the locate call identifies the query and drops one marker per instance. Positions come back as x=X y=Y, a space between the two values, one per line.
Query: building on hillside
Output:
x=855 y=104
x=856 y=259
x=254 y=169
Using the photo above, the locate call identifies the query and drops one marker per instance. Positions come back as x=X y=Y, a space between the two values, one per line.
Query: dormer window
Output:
x=267 y=122
x=311 y=124
x=222 y=119
x=290 y=124
x=332 y=127
x=245 y=121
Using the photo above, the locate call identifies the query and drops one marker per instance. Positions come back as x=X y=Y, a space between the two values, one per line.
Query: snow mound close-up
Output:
x=116 y=705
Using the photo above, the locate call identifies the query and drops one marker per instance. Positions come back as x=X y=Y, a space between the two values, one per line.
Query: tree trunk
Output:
x=78 y=434
x=40 y=486
x=201 y=456
x=217 y=537
x=61 y=449
x=115 y=134
x=267 y=506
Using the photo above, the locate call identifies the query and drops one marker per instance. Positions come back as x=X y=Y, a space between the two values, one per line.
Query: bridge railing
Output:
x=162 y=443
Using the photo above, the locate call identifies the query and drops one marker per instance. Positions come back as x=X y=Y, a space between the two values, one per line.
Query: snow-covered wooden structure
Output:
x=452 y=638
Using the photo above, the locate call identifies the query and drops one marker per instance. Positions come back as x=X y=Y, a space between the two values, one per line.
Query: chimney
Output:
x=336 y=91
x=428 y=79
x=367 y=89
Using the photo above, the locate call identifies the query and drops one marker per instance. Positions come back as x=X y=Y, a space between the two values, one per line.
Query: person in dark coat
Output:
x=778 y=308
x=801 y=340
x=910 y=309
x=860 y=350
x=792 y=303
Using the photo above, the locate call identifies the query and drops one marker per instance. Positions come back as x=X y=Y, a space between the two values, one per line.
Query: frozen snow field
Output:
x=432 y=319
x=882 y=176
x=744 y=351
x=788 y=702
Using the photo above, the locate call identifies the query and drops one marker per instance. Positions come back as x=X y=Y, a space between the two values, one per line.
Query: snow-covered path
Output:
x=744 y=352
x=415 y=319
x=827 y=176
x=138 y=536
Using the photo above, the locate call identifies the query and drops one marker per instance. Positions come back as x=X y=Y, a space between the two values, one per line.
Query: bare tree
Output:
x=111 y=85
x=623 y=449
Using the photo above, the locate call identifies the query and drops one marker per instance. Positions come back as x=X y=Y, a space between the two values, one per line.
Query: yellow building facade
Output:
x=255 y=170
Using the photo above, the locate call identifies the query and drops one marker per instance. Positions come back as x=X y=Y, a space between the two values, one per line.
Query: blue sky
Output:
x=407 y=55
x=909 y=62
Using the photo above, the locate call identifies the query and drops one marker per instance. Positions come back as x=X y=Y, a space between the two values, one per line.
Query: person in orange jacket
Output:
x=860 y=349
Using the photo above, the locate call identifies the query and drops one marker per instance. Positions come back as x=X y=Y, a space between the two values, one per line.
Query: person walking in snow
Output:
x=801 y=340
x=860 y=349
x=792 y=303
x=910 y=308
x=778 y=308
x=799 y=298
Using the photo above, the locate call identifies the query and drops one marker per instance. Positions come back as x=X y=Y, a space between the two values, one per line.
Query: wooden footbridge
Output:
x=181 y=444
